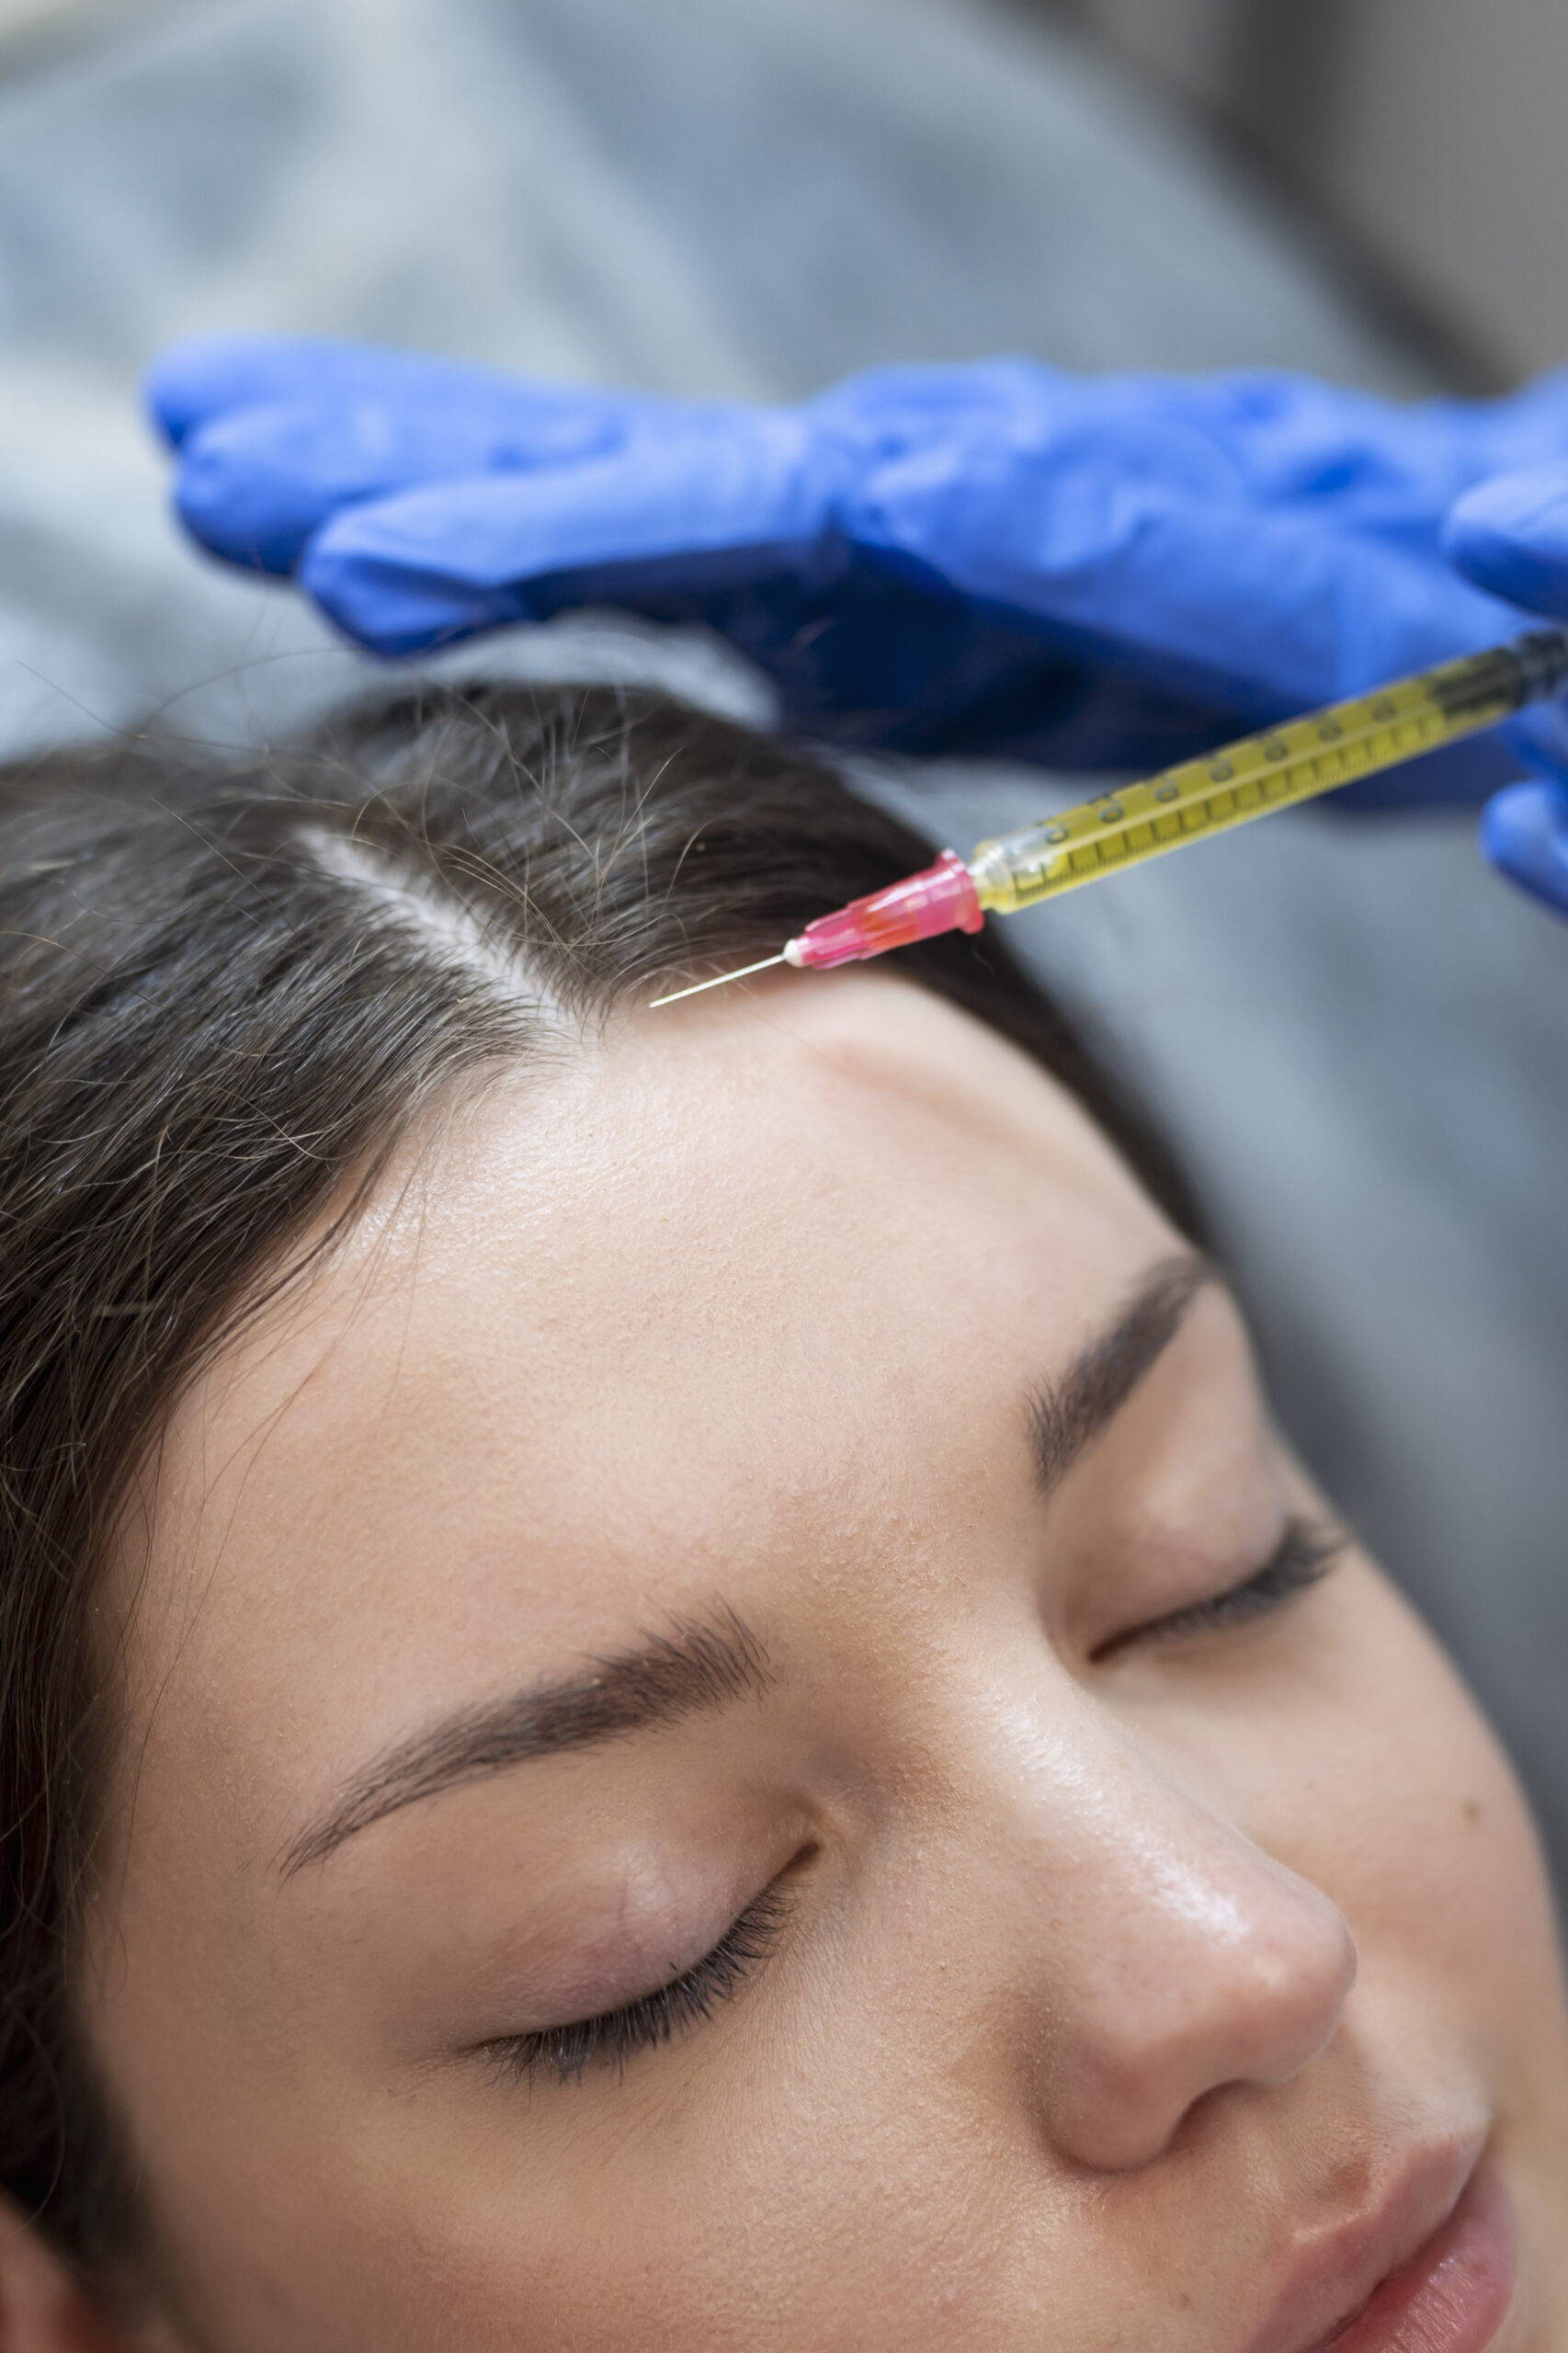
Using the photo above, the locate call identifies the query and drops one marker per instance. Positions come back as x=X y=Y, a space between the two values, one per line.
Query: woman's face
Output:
x=742 y=1735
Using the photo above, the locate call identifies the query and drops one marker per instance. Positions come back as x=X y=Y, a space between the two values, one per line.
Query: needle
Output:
x=721 y=981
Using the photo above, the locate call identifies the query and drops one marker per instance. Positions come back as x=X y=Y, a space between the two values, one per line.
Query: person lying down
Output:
x=663 y=1687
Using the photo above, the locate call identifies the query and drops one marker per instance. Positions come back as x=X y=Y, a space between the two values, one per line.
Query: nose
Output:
x=1172 y=1958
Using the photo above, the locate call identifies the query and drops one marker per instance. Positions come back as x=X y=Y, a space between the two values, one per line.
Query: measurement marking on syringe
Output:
x=1294 y=763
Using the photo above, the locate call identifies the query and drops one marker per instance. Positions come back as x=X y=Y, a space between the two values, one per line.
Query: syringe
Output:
x=1124 y=828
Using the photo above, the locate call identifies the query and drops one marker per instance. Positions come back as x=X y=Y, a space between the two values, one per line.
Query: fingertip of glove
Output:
x=393 y=609
x=202 y=377
x=1524 y=833
x=196 y=378
x=229 y=514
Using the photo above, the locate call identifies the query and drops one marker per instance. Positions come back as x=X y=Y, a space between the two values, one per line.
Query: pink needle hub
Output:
x=940 y=898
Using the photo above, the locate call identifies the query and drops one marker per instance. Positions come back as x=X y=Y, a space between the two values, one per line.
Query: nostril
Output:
x=1183 y=2012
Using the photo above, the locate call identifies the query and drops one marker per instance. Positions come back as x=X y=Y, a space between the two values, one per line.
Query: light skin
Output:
x=798 y=1389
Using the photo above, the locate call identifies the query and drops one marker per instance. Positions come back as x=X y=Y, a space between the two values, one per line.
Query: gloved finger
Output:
x=1523 y=832
x=671 y=512
x=251 y=485
x=1268 y=610
x=1354 y=456
x=1359 y=459
x=191 y=383
x=1279 y=437
x=1510 y=534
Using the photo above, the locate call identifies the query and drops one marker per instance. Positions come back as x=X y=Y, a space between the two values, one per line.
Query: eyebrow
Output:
x=697 y=1667
x=1068 y=1414
x=700 y=1666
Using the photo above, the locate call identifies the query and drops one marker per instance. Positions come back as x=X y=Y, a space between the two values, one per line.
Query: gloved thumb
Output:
x=1523 y=832
x=1510 y=535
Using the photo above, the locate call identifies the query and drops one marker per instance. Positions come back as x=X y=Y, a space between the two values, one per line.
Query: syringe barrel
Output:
x=1280 y=766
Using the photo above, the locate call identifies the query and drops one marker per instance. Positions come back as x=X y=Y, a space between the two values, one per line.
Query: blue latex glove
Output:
x=994 y=558
x=1511 y=536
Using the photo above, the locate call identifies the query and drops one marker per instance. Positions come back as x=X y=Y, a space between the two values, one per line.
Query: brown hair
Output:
x=225 y=991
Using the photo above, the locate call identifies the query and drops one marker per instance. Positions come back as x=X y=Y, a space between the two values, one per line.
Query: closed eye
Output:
x=1304 y=1556
x=610 y=2039
x=1306 y=1553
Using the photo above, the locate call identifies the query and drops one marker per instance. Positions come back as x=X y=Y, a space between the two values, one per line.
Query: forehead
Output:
x=619 y=1333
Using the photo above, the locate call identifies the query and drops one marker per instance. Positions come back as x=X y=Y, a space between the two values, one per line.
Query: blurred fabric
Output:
x=1358 y=1038
x=1426 y=134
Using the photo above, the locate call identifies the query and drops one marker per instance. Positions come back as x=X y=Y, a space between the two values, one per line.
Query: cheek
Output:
x=1372 y=1774
x=801 y=2210
x=1452 y=1895
x=1439 y=1844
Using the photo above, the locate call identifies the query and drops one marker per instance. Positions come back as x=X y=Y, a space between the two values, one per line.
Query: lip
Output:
x=1431 y=2270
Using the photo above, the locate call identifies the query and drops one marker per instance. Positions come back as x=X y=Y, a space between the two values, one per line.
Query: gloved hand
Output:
x=994 y=558
x=1511 y=536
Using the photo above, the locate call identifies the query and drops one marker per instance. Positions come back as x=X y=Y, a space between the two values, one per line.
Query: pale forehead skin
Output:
x=1099 y=1988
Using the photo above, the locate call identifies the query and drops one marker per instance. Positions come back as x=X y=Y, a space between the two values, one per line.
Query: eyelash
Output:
x=1304 y=1556
x=567 y=2052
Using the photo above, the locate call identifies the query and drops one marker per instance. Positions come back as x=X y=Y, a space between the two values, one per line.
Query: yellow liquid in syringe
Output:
x=1271 y=770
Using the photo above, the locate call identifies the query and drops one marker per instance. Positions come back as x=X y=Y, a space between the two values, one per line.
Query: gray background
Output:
x=1429 y=131
x=1357 y=1036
